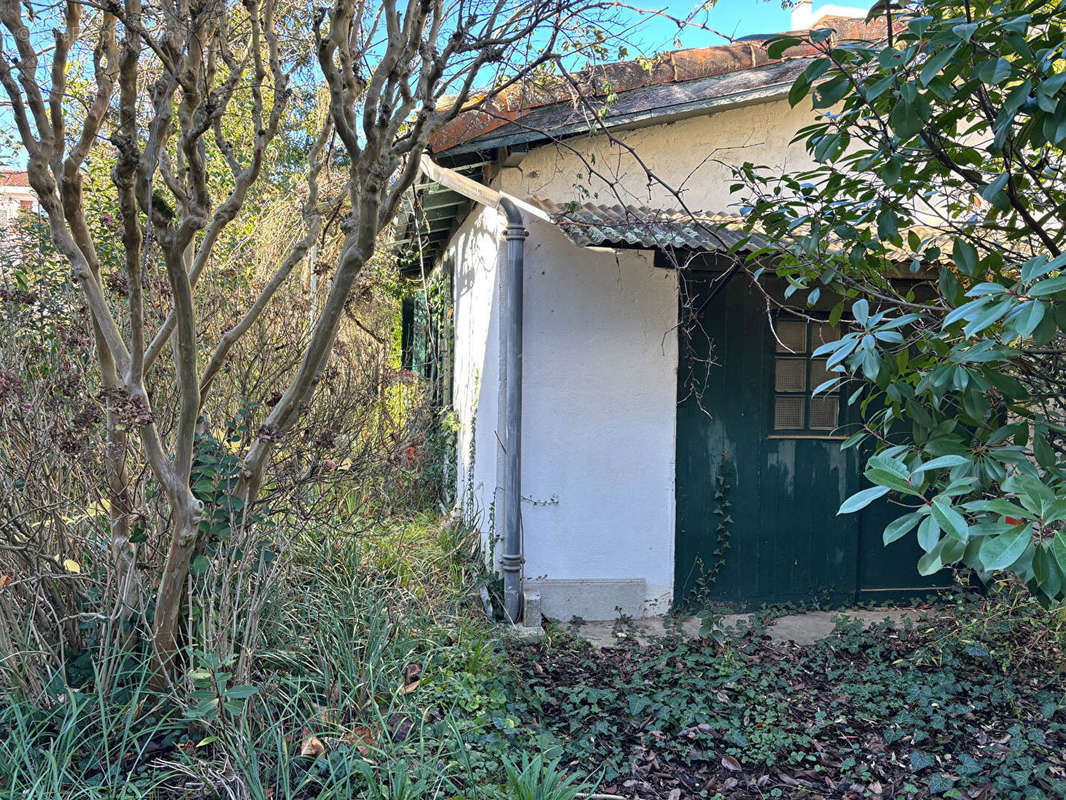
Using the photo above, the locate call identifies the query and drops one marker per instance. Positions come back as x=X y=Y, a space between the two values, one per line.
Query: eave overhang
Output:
x=652 y=105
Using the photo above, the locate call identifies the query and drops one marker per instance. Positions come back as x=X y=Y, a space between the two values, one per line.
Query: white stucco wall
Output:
x=599 y=390
x=475 y=252
x=600 y=360
x=691 y=156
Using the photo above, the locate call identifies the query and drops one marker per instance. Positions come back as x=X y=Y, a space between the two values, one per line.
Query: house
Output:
x=15 y=196
x=636 y=425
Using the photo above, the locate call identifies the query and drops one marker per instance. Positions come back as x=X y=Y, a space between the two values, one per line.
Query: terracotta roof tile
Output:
x=674 y=67
x=14 y=178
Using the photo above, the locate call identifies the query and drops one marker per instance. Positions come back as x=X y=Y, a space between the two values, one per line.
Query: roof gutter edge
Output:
x=673 y=113
x=478 y=192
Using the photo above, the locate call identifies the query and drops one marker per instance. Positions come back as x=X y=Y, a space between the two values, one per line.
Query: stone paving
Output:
x=804 y=628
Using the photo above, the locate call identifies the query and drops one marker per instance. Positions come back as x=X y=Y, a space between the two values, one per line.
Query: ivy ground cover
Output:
x=937 y=709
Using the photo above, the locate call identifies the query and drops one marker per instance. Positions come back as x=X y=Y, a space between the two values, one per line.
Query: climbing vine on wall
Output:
x=708 y=575
x=724 y=480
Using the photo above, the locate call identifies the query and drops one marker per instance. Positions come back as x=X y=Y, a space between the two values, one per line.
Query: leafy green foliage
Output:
x=376 y=678
x=214 y=478
x=89 y=746
x=902 y=709
x=214 y=693
x=536 y=779
x=932 y=212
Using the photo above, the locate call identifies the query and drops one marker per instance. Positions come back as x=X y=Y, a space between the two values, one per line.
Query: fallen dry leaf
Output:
x=4 y=581
x=312 y=746
x=412 y=675
x=362 y=737
x=731 y=763
x=399 y=726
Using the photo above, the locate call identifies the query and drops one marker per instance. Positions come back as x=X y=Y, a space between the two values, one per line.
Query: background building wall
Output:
x=16 y=196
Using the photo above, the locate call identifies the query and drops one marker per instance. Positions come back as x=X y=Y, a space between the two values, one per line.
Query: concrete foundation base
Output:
x=589 y=598
x=799 y=628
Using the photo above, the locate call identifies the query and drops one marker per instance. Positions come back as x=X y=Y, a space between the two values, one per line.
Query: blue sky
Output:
x=732 y=17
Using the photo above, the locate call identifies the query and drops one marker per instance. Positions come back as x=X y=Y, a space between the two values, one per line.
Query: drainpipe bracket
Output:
x=511 y=562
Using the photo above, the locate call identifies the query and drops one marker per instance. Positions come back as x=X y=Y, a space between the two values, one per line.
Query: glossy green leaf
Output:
x=936 y=62
x=1029 y=316
x=1058 y=549
x=928 y=534
x=883 y=478
x=986 y=317
x=777 y=47
x=1048 y=90
x=887 y=224
x=860 y=500
x=931 y=561
x=999 y=552
x=995 y=187
x=950 y=520
x=994 y=70
x=800 y=88
x=831 y=92
x=860 y=309
x=941 y=462
x=900 y=527
x=1048 y=287
x=965 y=256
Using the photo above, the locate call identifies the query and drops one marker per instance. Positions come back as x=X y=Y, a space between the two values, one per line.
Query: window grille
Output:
x=797 y=374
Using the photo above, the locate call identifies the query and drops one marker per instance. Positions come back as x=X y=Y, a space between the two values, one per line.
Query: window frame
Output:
x=777 y=355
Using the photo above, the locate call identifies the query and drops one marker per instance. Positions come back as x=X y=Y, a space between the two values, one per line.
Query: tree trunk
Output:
x=187 y=514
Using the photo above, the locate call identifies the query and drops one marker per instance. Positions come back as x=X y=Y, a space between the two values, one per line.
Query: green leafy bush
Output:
x=933 y=215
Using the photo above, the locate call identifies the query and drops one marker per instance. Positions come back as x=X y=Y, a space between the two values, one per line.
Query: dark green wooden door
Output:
x=760 y=472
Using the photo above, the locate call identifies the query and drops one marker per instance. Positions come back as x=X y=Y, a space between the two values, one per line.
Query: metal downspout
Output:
x=512 y=559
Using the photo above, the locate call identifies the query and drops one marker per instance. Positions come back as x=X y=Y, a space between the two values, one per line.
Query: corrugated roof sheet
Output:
x=588 y=224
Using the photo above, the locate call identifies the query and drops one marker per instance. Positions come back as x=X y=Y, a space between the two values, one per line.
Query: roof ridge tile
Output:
x=675 y=66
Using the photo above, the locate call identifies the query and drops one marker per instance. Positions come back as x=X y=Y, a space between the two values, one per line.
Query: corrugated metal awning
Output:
x=589 y=225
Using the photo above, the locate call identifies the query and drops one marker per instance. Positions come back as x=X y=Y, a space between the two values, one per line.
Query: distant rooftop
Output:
x=805 y=16
x=14 y=178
